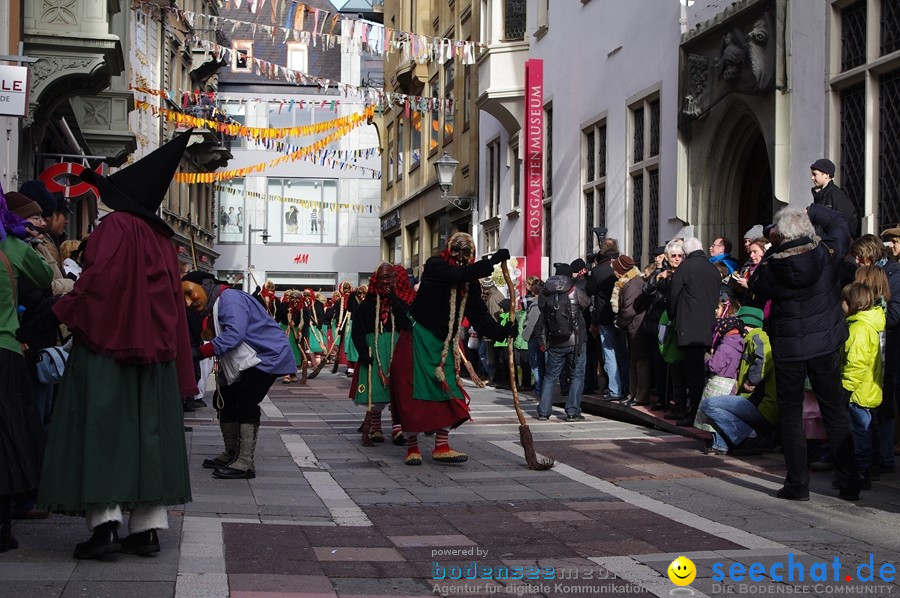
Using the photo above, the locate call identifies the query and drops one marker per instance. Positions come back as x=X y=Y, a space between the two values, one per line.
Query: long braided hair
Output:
x=460 y=251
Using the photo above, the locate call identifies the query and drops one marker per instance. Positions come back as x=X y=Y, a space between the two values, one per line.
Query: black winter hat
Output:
x=37 y=191
x=824 y=165
x=562 y=269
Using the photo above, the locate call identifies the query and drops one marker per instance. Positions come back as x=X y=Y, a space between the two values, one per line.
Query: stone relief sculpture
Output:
x=695 y=100
x=731 y=60
x=757 y=42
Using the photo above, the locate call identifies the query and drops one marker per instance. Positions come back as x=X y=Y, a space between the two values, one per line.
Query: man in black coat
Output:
x=800 y=274
x=826 y=193
x=693 y=296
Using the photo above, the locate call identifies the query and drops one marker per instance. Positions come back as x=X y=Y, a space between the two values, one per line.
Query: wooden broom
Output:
x=525 y=437
x=472 y=375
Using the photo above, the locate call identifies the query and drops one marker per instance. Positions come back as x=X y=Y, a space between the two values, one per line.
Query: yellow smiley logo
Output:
x=682 y=571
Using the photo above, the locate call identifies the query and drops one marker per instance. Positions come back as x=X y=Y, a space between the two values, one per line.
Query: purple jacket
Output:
x=726 y=359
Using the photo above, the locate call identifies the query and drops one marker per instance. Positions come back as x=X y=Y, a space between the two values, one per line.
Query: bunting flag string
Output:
x=342 y=206
x=301 y=153
x=289 y=22
x=235 y=129
x=323 y=158
x=189 y=98
x=373 y=95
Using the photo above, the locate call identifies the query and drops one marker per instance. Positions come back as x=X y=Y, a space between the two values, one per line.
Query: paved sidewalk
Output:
x=327 y=517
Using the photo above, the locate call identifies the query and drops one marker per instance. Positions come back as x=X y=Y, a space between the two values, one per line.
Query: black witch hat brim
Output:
x=140 y=188
x=117 y=200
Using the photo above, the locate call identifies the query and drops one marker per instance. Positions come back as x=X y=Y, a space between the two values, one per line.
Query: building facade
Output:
x=703 y=116
x=416 y=219
x=312 y=222
x=84 y=59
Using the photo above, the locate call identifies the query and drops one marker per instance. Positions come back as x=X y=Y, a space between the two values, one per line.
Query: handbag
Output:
x=243 y=357
x=51 y=364
x=474 y=340
x=716 y=386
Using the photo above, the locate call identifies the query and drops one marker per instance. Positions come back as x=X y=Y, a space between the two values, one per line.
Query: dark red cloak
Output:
x=128 y=302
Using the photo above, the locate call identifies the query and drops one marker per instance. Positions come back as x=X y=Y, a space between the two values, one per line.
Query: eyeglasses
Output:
x=678 y=255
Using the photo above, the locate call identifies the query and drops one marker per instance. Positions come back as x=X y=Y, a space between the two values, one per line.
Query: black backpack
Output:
x=558 y=316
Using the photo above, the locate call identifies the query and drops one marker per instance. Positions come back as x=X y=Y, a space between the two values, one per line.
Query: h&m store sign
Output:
x=15 y=86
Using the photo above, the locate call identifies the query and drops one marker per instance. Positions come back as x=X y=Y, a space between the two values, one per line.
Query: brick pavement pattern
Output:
x=327 y=517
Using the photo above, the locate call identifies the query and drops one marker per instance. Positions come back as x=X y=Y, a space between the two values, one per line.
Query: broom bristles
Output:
x=531 y=457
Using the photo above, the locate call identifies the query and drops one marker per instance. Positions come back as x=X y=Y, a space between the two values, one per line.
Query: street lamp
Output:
x=445 y=168
x=265 y=240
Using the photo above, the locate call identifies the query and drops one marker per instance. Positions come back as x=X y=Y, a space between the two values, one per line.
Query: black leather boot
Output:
x=142 y=543
x=105 y=540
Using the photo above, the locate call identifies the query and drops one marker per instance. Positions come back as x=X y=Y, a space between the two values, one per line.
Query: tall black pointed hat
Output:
x=141 y=187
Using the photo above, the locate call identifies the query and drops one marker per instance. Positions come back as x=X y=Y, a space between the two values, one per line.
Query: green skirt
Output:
x=313 y=337
x=427 y=350
x=380 y=392
x=116 y=438
x=292 y=341
x=349 y=347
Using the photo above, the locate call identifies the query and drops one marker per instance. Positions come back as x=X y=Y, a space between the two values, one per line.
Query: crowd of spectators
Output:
x=799 y=336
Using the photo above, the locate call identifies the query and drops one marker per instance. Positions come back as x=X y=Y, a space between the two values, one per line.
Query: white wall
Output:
x=598 y=57
x=808 y=114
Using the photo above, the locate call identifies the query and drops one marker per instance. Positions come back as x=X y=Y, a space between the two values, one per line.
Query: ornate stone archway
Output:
x=737 y=181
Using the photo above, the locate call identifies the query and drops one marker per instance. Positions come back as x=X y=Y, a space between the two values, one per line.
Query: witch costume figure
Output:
x=378 y=320
x=116 y=440
x=316 y=321
x=425 y=373
x=290 y=315
x=252 y=352
x=341 y=320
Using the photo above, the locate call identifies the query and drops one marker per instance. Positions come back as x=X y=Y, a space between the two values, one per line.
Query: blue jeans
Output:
x=860 y=420
x=734 y=417
x=556 y=357
x=536 y=363
x=484 y=348
x=612 y=345
x=43 y=394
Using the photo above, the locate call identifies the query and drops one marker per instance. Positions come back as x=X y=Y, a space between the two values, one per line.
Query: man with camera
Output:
x=600 y=284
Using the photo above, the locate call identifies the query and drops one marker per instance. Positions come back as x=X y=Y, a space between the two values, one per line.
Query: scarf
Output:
x=402 y=291
x=724 y=326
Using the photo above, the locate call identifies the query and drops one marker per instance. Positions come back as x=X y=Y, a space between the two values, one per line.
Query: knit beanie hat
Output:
x=21 y=205
x=751 y=316
x=755 y=232
x=562 y=269
x=823 y=165
x=622 y=264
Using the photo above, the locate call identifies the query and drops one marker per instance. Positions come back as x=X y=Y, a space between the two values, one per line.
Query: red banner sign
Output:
x=534 y=164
